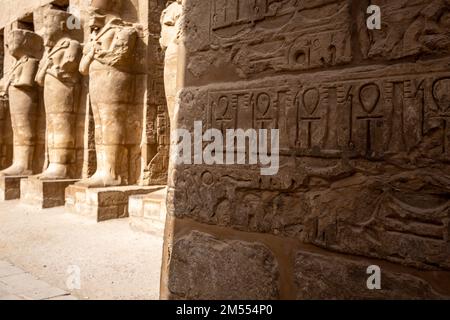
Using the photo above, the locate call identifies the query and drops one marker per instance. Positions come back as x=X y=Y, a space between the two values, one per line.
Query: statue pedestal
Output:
x=148 y=212
x=44 y=194
x=10 y=187
x=102 y=204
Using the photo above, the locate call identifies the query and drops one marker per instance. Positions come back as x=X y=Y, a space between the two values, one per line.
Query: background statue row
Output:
x=108 y=59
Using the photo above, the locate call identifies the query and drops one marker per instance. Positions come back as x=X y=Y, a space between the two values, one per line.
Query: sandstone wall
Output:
x=156 y=137
x=364 y=173
x=5 y=140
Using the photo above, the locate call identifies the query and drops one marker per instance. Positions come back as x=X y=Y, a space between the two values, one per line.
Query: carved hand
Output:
x=40 y=77
x=88 y=57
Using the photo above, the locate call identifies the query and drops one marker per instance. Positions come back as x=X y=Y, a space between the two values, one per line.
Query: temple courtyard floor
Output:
x=52 y=254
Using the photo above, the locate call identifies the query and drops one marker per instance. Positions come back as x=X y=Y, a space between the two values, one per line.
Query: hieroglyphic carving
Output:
x=401 y=217
x=441 y=96
x=157 y=123
x=229 y=18
x=336 y=127
x=245 y=109
x=280 y=35
x=362 y=118
x=364 y=137
x=311 y=118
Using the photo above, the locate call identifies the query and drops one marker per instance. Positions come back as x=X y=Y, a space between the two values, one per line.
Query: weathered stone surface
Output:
x=44 y=194
x=102 y=203
x=6 y=139
x=396 y=162
x=410 y=29
x=363 y=125
x=156 y=141
x=204 y=267
x=16 y=284
x=400 y=217
x=319 y=276
x=10 y=187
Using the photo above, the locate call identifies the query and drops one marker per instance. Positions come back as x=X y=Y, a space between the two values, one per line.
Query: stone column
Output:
x=363 y=178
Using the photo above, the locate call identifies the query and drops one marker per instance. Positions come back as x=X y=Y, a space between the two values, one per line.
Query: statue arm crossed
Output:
x=88 y=56
x=69 y=62
x=5 y=82
x=27 y=76
x=122 y=44
x=42 y=70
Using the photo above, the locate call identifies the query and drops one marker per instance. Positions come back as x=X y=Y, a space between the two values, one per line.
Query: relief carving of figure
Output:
x=59 y=75
x=170 y=28
x=426 y=33
x=109 y=60
x=19 y=85
x=430 y=32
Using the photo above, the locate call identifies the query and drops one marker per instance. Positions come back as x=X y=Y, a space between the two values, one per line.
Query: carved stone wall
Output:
x=364 y=173
x=2 y=51
x=156 y=140
x=5 y=143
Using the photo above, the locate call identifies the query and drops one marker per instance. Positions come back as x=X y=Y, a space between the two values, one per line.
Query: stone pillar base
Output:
x=103 y=204
x=10 y=187
x=148 y=212
x=44 y=194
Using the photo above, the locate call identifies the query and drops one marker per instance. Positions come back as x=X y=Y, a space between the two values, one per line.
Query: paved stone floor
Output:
x=42 y=250
x=16 y=284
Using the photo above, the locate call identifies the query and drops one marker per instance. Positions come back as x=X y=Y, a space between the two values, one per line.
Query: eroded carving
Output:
x=346 y=137
x=410 y=28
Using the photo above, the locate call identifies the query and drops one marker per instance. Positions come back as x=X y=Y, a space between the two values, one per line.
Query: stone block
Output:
x=319 y=276
x=28 y=287
x=44 y=194
x=204 y=267
x=148 y=212
x=102 y=203
x=7 y=269
x=10 y=187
